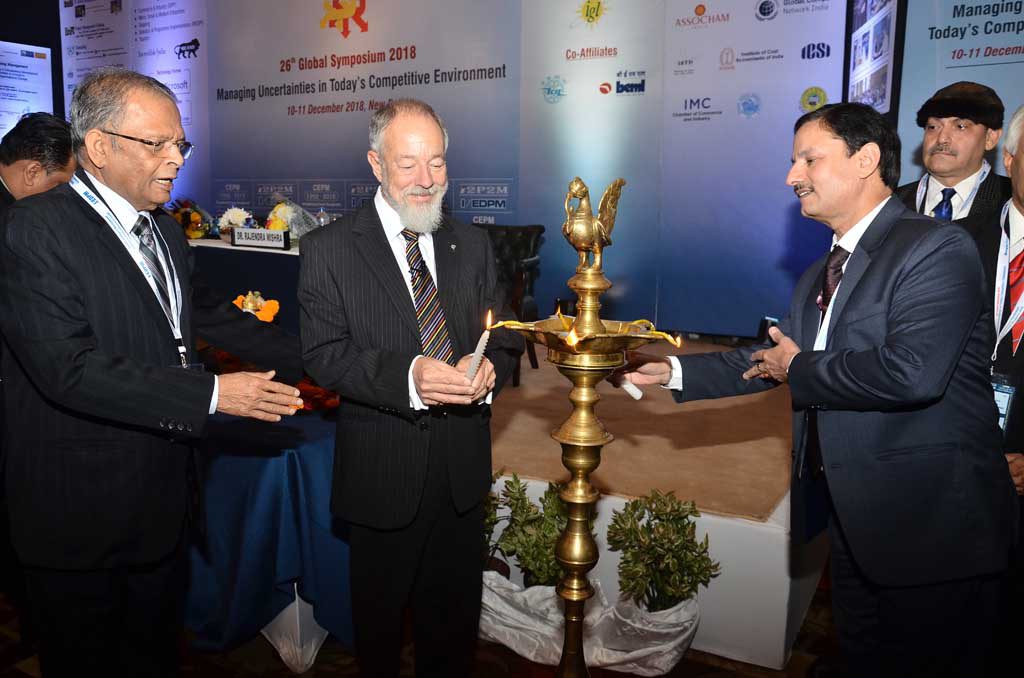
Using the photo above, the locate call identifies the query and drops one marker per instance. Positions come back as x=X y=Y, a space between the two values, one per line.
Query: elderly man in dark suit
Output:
x=962 y=122
x=97 y=307
x=886 y=353
x=393 y=300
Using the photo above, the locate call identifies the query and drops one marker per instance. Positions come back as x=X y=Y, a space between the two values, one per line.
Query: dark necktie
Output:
x=147 y=247
x=944 y=210
x=433 y=329
x=833 y=274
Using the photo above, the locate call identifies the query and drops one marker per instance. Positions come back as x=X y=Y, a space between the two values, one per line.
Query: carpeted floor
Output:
x=257 y=659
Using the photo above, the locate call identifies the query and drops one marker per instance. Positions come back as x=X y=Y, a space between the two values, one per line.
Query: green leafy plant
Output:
x=530 y=532
x=662 y=561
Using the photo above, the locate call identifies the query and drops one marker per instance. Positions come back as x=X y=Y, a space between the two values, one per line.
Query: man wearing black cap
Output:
x=961 y=122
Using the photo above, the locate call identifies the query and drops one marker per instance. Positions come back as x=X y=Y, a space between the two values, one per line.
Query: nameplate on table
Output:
x=260 y=237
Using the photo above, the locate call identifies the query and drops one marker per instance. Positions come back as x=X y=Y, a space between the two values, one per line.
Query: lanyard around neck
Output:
x=922 y=187
x=1002 y=282
x=132 y=247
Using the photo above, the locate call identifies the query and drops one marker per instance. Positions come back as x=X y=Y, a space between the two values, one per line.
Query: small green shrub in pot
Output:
x=662 y=562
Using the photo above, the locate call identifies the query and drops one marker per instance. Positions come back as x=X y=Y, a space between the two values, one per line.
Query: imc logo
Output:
x=697 y=104
x=337 y=14
x=815 y=50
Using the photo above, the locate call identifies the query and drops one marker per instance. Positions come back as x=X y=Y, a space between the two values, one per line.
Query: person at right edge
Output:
x=896 y=437
x=1002 y=253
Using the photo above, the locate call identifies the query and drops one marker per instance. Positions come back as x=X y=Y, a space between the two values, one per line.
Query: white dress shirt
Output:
x=1016 y=220
x=849 y=243
x=963 y=191
x=393 y=228
x=127 y=215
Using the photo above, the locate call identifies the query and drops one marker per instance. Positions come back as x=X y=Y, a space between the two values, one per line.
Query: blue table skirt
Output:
x=268 y=526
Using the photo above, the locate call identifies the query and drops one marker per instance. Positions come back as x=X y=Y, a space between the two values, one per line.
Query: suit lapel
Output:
x=373 y=246
x=446 y=261
x=860 y=259
x=121 y=256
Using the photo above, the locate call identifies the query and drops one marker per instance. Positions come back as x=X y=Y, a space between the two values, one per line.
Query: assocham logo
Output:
x=701 y=18
x=591 y=11
x=812 y=99
x=337 y=14
x=553 y=89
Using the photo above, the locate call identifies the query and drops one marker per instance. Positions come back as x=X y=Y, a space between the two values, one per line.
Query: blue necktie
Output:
x=944 y=210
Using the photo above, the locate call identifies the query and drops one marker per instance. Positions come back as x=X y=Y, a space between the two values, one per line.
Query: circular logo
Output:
x=553 y=89
x=605 y=87
x=812 y=99
x=766 y=9
x=748 y=105
x=699 y=10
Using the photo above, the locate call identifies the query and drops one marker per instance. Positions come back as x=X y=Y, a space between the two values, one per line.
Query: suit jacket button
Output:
x=424 y=426
x=181 y=426
x=188 y=427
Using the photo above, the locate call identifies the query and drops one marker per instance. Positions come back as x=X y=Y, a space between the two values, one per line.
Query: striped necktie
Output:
x=433 y=329
x=147 y=248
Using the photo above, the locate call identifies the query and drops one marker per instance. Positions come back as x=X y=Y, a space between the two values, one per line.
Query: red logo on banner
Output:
x=341 y=12
x=605 y=87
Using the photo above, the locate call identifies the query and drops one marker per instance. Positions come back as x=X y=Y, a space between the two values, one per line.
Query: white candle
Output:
x=632 y=389
x=481 y=346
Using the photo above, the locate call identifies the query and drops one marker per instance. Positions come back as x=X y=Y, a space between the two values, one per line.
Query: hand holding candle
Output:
x=481 y=346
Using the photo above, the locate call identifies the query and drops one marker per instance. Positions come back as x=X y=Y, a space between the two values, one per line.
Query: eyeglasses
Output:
x=184 y=147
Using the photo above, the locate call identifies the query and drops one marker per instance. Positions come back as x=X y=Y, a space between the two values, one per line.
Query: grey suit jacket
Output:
x=906 y=419
x=359 y=336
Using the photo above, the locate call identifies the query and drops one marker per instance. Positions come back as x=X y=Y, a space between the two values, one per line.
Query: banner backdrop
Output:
x=692 y=103
x=293 y=85
x=950 y=41
x=738 y=75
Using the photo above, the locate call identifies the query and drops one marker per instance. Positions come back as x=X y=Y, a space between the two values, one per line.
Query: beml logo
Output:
x=605 y=87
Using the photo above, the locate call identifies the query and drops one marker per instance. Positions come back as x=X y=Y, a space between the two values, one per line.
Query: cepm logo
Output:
x=337 y=14
x=816 y=50
x=766 y=10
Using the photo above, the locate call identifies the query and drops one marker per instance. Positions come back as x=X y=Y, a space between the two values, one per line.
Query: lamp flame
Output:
x=490 y=319
x=572 y=338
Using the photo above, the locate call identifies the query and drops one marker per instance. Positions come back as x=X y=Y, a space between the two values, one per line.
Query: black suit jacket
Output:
x=984 y=212
x=359 y=336
x=99 y=409
x=907 y=424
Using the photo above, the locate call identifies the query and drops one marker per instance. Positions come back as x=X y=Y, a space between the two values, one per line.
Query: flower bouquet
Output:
x=194 y=219
x=233 y=217
x=289 y=216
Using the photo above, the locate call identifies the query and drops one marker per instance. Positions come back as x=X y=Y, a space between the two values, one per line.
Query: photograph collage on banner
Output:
x=871 y=53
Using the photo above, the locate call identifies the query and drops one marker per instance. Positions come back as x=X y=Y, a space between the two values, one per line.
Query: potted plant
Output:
x=662 y=561
x=530 y=533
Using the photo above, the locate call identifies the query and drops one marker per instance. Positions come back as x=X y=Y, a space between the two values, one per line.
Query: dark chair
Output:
x=516 y=251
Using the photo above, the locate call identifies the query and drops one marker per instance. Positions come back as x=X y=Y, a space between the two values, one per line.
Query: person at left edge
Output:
x=100 y=317
x=35 y=156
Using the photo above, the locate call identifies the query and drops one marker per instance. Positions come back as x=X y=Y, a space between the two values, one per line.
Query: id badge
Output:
x=1003 y=391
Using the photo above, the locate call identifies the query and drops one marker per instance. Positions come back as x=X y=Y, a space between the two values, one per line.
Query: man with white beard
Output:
x=390 y=297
